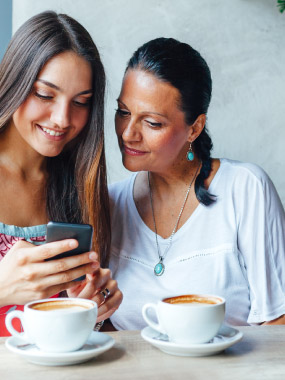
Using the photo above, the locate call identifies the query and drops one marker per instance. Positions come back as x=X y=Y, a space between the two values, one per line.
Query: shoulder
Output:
x=243 y=171
x=249 y=184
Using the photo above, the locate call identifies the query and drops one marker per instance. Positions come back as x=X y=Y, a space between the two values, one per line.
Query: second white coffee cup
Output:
x=56 y=324
x=187 y=319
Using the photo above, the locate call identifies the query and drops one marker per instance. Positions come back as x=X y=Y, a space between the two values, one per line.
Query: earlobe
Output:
x=197 y=127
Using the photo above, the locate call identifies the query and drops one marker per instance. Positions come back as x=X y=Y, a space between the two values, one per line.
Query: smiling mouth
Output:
x=51 y=132
x=133 y=152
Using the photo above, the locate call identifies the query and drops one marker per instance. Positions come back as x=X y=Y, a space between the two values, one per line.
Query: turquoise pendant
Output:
x=190 y=156
x=159 y=268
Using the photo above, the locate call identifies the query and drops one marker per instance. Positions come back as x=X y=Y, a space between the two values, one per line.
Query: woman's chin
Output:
x=131 y=166
x=49 y=153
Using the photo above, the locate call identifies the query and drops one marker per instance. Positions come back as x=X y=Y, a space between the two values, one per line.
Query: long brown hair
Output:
x=76 y=185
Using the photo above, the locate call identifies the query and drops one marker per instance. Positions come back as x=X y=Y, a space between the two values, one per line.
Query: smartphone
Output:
x=81 y=232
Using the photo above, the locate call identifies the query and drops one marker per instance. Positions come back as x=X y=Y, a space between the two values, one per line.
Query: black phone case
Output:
x=81 y=232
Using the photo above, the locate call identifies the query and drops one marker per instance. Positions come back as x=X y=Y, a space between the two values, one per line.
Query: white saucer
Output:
x=96 y=345
x=226 y=337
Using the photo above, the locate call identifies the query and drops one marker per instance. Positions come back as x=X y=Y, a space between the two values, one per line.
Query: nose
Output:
x=60 y=114
x=132 y=132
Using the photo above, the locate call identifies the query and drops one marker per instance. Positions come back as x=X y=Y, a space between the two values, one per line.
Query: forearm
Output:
x=277 y=321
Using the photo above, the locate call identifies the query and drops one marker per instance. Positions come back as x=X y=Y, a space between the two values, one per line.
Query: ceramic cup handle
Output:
x=152 y=324
x=9 y=318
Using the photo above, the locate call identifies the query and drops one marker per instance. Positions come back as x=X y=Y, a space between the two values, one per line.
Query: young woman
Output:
x=188 y=223
x=52 y=164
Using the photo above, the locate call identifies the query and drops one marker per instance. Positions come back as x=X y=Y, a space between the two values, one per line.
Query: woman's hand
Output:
x=94 y=287
x=26 y=276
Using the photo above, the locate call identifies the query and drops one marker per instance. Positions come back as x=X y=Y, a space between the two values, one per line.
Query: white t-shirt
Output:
x=234 y=248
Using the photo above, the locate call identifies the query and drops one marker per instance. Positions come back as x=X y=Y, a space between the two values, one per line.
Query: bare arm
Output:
x=277 y=321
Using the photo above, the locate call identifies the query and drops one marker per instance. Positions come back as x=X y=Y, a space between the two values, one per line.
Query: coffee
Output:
x=56 y=324
x=188 y=318
x=61 y=305
x=193 y=299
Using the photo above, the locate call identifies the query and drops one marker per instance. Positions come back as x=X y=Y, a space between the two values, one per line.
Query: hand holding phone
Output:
x=81 y=232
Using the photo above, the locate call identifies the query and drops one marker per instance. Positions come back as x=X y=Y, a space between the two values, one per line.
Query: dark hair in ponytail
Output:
x=183 y=67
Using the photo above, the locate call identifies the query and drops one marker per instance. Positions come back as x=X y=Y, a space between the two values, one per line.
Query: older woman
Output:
x=186 y=222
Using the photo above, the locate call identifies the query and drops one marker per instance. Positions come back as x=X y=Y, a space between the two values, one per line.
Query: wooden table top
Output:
x=260 y=355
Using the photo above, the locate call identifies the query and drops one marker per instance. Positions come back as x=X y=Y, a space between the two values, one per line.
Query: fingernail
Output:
x=93 y=256
x=73 y=244
x=95 y=265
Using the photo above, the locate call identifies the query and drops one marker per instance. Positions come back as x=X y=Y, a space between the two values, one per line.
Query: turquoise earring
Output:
x=190 y=153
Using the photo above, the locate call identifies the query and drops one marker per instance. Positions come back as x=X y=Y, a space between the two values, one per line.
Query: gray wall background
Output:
x=5 y=25
x=243 y=43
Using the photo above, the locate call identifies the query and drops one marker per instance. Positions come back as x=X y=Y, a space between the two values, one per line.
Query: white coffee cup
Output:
x=187 y=319
x=55 y=324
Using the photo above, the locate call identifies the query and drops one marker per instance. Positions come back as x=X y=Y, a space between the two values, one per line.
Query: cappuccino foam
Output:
x=193 y=300
x=61 y=305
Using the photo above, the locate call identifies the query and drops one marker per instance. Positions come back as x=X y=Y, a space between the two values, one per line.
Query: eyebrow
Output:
x=152 y=112
x=49 y=84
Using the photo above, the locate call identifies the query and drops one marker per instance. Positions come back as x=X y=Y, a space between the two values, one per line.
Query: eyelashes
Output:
x=155 y=125
x=121 y=112
x=80 y=104
x=50 y=98
x=43 y=97
x=124 y=113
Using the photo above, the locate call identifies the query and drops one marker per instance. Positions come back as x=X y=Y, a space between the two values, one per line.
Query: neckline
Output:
x=192 y=217
x=26 y=232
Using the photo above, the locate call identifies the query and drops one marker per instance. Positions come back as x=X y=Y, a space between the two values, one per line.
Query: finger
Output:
x=67 y=276
x=91 y=292
x=38 y=291
x=42 y=272
x=109 y=289
x=76 y=290
x=100 y=278
x=85 y=290
x=94 y=283
x=66 y=263
x=58 y=288
x=49 y=250
x=110 y=306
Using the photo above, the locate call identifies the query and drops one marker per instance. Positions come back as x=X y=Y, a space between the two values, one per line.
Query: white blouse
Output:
x=234 y=248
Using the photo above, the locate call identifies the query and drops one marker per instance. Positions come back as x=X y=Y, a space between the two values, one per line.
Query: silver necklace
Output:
x=160 y=266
